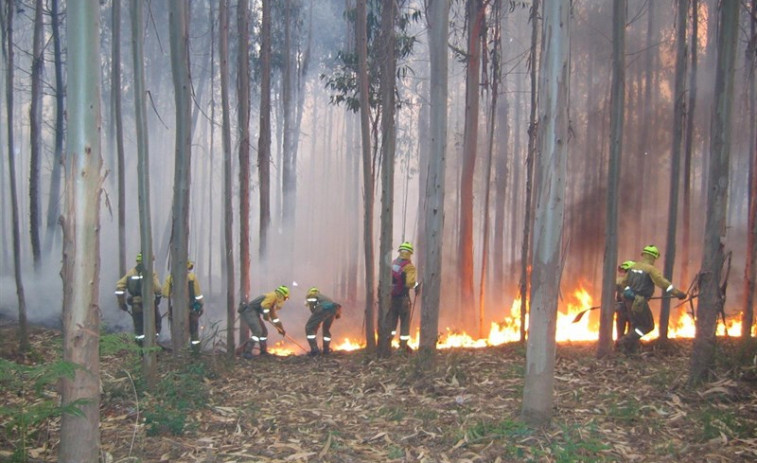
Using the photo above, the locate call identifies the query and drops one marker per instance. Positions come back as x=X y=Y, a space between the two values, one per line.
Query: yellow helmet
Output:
x=651 y=250
x=406 y=246
x=284 y=291
x=626 y=265
x=313 y=292
x=139 y=257
x=190 y=265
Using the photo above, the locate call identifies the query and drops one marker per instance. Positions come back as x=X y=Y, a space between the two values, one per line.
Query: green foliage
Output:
x=176 y=395
x=36 y=404
x=578 y=444
x=716 y=423
x=508 y=429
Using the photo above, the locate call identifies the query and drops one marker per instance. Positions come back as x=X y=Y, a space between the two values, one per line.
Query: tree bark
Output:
x=117 y=111
x=750 y=266
x=551 y=168
x=80 y=434
x=243 y=122
x=710 y=298
x=264 y=138
x=35 y=133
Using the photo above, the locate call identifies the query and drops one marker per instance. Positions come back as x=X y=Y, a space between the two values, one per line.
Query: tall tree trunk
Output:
x=689 y=145
x=711 y=299
x=35 y=132
x=675 y=152
x=617 y=108
x=53 y=205
x=243 y=123
x=388 y=79
x=289 y=170
x=368 y=185
x=525 y=246
x=179 y=38
x=80 y=434
x=551 y=167
x=433 y=214
x=264 y=138
x=750 y=266
x=475 y=20
x=228 y=223
x=117 y=111
x=143 y=186
x=23 y=336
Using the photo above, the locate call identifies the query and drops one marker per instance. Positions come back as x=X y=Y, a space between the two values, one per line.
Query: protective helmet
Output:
x=406 y=246
x=651 y=250
x=283 y=290
x=313 y=292
x=626 y=265
x=190 y=265
x=139 y=257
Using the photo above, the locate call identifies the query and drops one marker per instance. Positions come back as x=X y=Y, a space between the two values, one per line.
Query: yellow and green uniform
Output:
x=131 y=283
x=254 y=313
x=403 y=279
x=196 y=303
x=323 y=310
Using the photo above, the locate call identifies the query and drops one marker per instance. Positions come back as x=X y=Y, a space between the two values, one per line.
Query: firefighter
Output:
x=622 y=305
x=638 y=286
x=322 y=310
x=196 y=304
x=132 y=282
x=403 y=280
x=263 y=308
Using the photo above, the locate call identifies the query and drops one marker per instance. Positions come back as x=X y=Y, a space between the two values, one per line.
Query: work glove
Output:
x=417 y=288
x=679 y=294
x=628 y=293
x=197 y=306
x=281 y=330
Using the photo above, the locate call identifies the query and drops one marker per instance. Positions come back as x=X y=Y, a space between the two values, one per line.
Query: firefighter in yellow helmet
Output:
x=622 y=305
x=263 y=308
x=324 y=311
x=132 y=283
x=196 y=304
x=403 y=280
x=638 y=287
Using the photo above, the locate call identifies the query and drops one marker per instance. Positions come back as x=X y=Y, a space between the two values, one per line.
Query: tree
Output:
x=35 y=132
x=679 y=111
x=118 y=120
x=264 y=138
x=438 y=26
x=143 y=187
x=179 y=38
x=80 y=435
x=243 y=122
x=228 y=223
x=361 y=50
x=388 y=66
x=548 y=221
x=7 y=23
x=711 y=298
x=750 y=267
x=617 y=108
x=475 y=21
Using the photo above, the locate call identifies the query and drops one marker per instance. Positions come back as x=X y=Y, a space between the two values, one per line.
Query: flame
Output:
x=507 y=330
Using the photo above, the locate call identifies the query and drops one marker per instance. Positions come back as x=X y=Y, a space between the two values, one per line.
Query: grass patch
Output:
x=176 y=395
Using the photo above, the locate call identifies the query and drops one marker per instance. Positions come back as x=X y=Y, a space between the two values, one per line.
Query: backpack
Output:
x=398 y=277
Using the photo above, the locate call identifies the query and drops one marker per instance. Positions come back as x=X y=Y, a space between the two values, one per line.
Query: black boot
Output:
x=404 y=348
x=313 y=348
x=326 y=347
x=247 y=350
x=264 y=348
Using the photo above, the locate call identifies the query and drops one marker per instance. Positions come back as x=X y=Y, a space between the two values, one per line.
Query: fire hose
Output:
x=580 y=315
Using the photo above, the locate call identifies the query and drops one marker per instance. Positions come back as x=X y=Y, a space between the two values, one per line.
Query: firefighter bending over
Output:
x=322 y=310
x=196 y=303
x=132 y=282
x=264 y=307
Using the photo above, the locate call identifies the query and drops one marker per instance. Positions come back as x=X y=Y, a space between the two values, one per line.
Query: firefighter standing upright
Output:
x=622 y=305
x=638 y=287
x=322 y=311
x=132 y=282
x=264 y=307
x=403 y=280
x=196 y=303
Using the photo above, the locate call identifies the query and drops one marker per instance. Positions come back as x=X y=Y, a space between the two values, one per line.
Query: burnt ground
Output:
x=349 y=407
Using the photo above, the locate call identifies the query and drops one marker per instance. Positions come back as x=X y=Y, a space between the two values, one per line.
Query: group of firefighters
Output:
x=635 y=286
x=265 y=308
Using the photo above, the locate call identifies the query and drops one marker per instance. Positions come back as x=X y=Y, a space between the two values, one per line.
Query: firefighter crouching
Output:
x=638 y=287
x=322 y=311
x=254 y=313
x=132 y=283
x=196 y=304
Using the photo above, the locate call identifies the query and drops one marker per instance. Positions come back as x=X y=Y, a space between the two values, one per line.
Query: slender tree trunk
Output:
x=525 y=277
x=368 y=185
x=289 y=171
x=80 y=434
x=223 y=51
x=35 y=133
x=23 y=336
x=243 y=122
x=117 y=111
x=264 y=138
x=388 y=79
x=711 y=299
x=750 y=266
x=475 y=20
x=538 y=393
x=53 y=206
x=617 y=108
x=676 y=152
x=689 y=145
x=179 y=38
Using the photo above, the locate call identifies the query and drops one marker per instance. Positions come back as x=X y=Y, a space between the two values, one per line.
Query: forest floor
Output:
x=349 y=407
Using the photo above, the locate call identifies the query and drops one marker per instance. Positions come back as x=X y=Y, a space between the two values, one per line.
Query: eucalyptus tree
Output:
x=53 y=205
x=35 y=132
x=551 y=169
x=80 y=433
x=750 y=266
x=243 y=125
x=264 y=137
